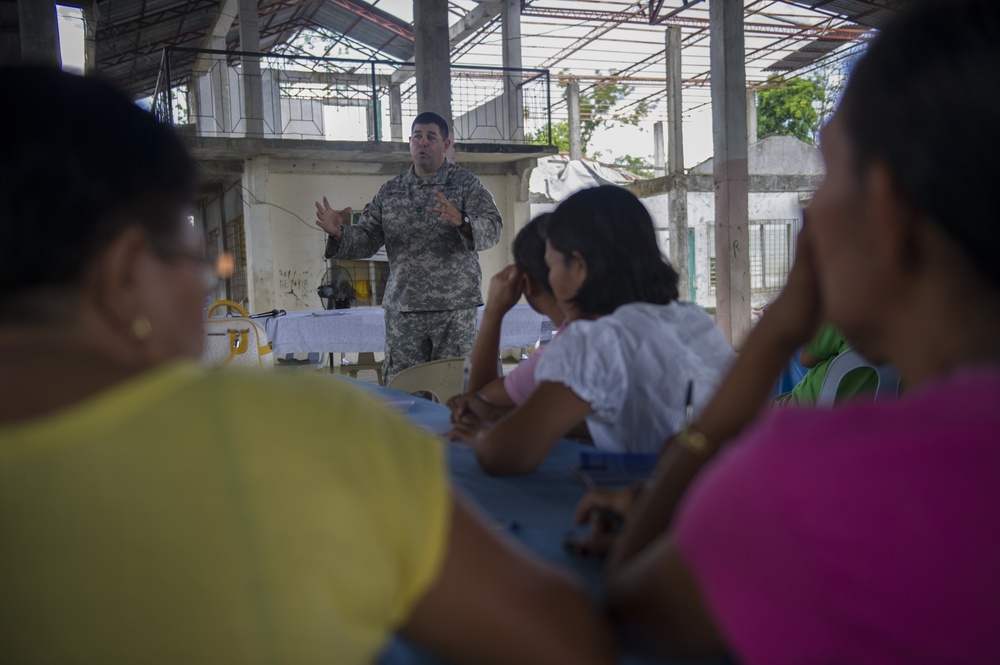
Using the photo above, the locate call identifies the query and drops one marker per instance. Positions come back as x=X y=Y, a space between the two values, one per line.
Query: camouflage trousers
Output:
x=412 y=338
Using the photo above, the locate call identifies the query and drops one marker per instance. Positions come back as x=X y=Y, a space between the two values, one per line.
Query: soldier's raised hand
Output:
x=331 y=220
x=445 y=210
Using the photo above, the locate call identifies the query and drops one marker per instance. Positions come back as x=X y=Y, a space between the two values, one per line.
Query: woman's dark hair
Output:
x=924 y=99
x=529 y=251
x=79 y=163
x=614 y=233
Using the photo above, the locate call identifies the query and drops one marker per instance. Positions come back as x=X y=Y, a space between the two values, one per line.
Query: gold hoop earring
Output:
x=141 y=328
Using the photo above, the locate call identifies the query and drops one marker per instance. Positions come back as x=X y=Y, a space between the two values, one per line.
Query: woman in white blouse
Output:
x=625 y=360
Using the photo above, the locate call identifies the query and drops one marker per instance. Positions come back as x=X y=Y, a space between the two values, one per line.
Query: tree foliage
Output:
x=560 y=136
x=791 y=107
x=597 y=105
x=637 y=165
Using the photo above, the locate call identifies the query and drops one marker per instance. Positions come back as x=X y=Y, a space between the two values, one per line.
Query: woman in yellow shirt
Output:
x=152 y=511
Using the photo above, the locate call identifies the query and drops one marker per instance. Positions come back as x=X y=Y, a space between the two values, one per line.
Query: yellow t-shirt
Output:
x=216 y=517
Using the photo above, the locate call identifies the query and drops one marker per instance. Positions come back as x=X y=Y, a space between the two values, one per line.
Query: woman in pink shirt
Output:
x=868 y=533
x=490 y=395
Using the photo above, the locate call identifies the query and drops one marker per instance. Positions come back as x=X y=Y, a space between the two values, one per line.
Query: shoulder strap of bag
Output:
x=231 y=305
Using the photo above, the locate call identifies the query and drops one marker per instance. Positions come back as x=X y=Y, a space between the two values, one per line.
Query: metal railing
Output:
x=240 y=94
x=772 y=250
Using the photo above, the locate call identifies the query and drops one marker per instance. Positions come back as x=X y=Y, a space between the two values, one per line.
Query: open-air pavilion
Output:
x=266 y=90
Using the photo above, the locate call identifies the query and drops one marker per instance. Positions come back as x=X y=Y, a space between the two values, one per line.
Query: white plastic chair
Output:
x=888 y=379
x=441 y=378
x=366 y=361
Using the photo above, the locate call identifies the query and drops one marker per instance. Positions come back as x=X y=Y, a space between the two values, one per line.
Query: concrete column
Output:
x=253 y=93
x=91 y=14
x=675 y=165
x=511 y=29
x=395 y=113
x=259 y=242
x=675 y=143
x=432 y=54
x=751 y=116
x=659 y=162
x=39 y=32
x=729 y=128
x=575 y=134
x=10 y=40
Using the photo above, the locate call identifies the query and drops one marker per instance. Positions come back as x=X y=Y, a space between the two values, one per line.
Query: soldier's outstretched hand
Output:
x=331 y=220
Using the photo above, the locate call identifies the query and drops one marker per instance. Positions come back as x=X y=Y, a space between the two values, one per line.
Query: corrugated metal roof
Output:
x=131 y=34
x=867 y=13
x=369 y=25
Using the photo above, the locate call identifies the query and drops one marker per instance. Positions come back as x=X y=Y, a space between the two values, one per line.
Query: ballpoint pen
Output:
x=689 y=404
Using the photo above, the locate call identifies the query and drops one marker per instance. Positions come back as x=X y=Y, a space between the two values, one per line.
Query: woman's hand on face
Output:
x=505 y=289
x=796 y=313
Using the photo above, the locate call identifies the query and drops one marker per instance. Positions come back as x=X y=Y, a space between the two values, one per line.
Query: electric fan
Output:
x=336 y=290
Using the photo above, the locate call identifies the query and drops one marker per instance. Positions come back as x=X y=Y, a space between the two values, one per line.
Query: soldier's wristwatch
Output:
x=466 y=220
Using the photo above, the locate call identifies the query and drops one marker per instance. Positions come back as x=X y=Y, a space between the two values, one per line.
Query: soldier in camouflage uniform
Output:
x=432 y=219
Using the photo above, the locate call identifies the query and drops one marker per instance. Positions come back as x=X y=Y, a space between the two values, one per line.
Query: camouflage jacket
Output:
x=432 y=264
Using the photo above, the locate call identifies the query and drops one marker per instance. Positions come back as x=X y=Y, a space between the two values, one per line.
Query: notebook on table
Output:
x=611 y=469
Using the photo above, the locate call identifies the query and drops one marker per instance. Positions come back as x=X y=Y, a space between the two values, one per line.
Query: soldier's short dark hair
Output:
x=431 y=118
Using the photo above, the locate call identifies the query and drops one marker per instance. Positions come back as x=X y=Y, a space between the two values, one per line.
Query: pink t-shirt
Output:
x=865 y=534
x=521 y=381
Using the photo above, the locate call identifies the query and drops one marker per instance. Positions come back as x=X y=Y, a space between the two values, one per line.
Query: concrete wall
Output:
x=701 y=218
x=783 y=174
x=486 y=122
x=777 y=155
x=216 y=106
x=287 y=278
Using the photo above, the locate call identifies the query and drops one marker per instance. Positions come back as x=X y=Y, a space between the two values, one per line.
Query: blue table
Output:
x=539 y=505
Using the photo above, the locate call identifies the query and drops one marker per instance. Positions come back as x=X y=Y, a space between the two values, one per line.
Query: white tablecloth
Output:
x=358 y=330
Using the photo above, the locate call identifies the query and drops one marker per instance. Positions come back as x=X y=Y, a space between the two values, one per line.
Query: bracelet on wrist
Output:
x=695 y=442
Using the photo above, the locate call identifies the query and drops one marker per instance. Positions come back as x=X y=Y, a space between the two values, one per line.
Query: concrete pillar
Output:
x=10 y=40
x=371 y=120
x=395 y=113
x=751 y=116
x=675 y=165
x=659 y=162
x=675 y=143
x=259 y=241
x=510 y=14
x=91 y=14
x=729 y=128
x=575 y=133
x=432 y=55
x=39 y=32
x=253 y=93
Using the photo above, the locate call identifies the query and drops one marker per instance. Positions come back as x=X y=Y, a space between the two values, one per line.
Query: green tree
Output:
x=596 y=110
x=791 y=107
x=637 y=165
x=560 y=136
